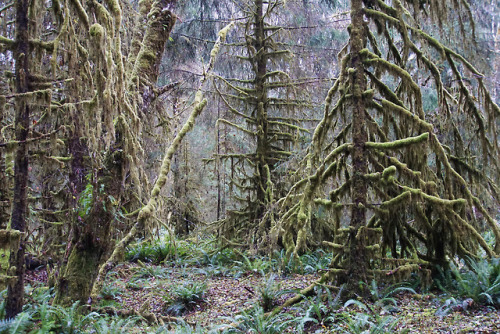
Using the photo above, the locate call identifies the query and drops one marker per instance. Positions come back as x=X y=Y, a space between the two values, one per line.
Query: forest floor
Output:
x=145 y=287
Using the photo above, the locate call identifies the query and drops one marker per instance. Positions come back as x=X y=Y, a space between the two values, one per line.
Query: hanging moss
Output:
x=82 y=14
x=9 y=239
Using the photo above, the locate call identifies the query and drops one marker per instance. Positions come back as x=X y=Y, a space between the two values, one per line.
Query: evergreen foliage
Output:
x=402 y=196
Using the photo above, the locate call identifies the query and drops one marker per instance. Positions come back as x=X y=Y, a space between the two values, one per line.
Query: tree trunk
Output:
x=261 y=109
x=15 y=294
x=4 y=178
x=356 y=263
x=93 y=233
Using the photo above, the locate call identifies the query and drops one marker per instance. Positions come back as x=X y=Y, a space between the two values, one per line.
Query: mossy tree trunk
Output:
x=262 y=151
x=356 y=266
x=92 y=236
x=15 y=292
x=4 y=179
x=105 y=188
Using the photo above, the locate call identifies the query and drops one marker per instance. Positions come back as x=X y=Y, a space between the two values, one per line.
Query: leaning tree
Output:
x=408 y=184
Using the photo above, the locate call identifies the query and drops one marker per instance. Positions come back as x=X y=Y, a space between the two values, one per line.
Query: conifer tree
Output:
x=15 y=295
x=412 y=187
x=264 y=107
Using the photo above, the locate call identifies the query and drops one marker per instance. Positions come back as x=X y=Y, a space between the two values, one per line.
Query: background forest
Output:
x=329 y=153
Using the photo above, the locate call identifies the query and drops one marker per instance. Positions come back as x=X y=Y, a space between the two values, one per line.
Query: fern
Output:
x=85 y=201
x=19 y=324
x=5 y=325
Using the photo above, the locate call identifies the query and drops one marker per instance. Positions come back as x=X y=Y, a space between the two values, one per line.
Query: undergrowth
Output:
x=476 y=282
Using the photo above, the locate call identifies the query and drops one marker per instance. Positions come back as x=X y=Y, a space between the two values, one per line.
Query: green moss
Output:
x=301 y=215
x=4 y=266
x=398 y=143
x=9 y=238
x=398 y=200
x=82 y=14
x=76 y=283
x=323 y=201
x=389 y=171
x=114 y=7
x=96 y=30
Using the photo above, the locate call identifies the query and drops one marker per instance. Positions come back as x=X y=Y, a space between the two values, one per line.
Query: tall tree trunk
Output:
x=261 y=108
x=356 y=263
x=4 y=178
x=15 y=294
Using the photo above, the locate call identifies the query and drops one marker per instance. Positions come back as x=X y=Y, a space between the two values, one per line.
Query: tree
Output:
x=15 y=293
x=265 y=102
x=415 y=185
x=81 y=81
x=125 y=92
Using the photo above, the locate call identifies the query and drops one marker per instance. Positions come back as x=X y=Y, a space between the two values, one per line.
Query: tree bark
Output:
x=261 y=108
x=93 y=235
x=356 y=262
x=15 y=293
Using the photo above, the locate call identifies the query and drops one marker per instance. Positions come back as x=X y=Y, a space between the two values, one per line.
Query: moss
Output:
x=6 y=280
x=7 y=41
x=389 y=172
x=115 y=8
x=96 y=30
x=4 y=266
x=302 y=215
x=398 y=200
x=323 y=201
x=221 y=38
x=333 y=245
x=76 y=282
x=9 y=239
x=145 y=58
x=82 y=14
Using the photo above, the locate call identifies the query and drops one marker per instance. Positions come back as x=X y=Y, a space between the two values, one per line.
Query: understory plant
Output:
x=185 y=297
x=308 y=263
x=255 y=320
x=110 y=325
x=41 y=317
x=383 y=298
x=183 y=328
x=269 y=293
x=478 y=281
x=364 y=320
x=251 y=265
x=320 y=309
